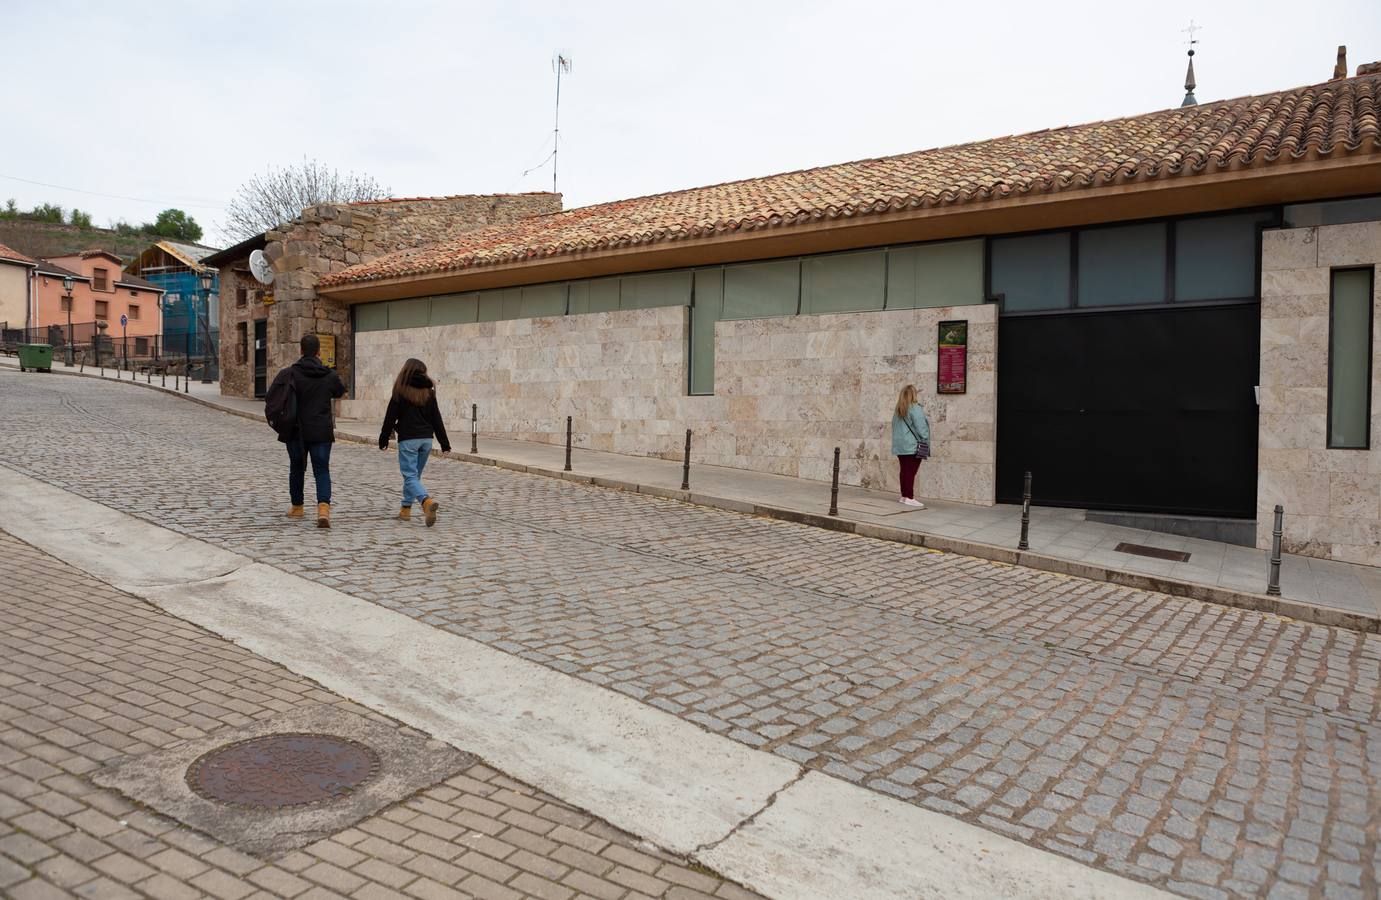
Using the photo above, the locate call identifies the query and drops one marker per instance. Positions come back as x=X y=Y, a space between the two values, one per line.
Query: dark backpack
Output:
x=280 y=404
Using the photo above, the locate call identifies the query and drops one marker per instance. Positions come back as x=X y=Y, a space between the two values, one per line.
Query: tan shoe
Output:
x=429 y=507
x=295 y=512
x=323 y=515
x=405 y=513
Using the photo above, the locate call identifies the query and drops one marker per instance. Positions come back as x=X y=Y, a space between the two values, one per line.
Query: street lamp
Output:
x=67 y=284
x=206 y=277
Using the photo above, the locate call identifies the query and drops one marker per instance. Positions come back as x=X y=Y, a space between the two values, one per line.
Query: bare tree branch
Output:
x=281 y=193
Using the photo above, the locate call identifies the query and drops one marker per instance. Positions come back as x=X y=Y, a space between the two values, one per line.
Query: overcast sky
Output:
x=177 y=104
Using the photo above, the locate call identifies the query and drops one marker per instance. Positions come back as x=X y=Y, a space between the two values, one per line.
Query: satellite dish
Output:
x=261 y=267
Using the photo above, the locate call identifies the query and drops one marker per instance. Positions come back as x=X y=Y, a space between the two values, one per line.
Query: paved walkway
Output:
x=1060 y=533
x=1213 y=751
x=89 y=675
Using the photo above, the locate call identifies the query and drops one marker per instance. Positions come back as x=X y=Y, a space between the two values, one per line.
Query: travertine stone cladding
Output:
x=788 y=390
x=621 y=375
x=799 y=386
x=330 y=237
x=1332 y=498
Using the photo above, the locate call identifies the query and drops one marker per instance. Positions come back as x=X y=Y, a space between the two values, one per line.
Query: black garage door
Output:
x=1131 y=410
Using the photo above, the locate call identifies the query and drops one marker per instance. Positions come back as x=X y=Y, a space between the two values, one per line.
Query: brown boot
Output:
x=405 y=513
x=323 y=515
x=295 y=512
x=429 y=507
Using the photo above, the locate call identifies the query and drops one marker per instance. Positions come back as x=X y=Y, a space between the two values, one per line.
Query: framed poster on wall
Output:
x=952 y=375
x=328 y=350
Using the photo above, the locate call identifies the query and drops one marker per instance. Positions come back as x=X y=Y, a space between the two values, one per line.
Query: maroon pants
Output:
x=910 y=465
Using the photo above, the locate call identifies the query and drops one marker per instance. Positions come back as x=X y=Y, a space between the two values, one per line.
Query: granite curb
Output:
x=1305 y=612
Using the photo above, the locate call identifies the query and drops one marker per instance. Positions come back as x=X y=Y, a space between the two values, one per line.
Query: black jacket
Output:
x=316 y=386
x=412 y=421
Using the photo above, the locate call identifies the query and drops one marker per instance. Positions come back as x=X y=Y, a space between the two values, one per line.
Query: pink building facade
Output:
x=101 y=292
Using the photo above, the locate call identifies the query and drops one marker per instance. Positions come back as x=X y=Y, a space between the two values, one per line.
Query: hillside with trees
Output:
x=49 y=230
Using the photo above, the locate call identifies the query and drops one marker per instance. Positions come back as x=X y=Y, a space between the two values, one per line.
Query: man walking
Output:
x=298 y=405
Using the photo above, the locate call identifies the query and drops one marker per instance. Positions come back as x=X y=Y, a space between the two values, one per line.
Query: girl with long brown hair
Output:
x=910 y=442
x=414 y=415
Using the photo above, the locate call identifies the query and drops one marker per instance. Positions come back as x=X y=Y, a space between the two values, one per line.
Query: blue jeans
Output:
x=320 y=454
x=412 y=459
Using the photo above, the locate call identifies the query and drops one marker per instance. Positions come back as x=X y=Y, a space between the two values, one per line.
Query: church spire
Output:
x=1189 y=83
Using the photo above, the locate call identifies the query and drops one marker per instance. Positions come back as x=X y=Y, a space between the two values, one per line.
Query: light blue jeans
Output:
x=412 y=459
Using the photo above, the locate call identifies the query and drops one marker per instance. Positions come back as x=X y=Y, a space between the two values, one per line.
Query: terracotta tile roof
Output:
x=11 y=254
x=1332 y=119
x=127 y=280
x=51 y=268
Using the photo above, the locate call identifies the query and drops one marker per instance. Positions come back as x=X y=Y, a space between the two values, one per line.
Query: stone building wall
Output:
x=787 y=390
x=1332 y=498
x=330 y=237
x=237 y=373
x=794 y=388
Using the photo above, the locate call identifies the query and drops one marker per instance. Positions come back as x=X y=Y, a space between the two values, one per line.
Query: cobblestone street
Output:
x=1210 y=751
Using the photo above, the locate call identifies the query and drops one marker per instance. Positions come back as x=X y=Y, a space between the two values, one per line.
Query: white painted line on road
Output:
x=637 y=767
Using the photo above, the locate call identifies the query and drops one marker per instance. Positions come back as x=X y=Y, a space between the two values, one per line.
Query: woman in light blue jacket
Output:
x=910 y=442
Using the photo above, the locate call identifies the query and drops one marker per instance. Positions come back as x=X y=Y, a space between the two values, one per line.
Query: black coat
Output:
x=316 y=386
x=412 y=421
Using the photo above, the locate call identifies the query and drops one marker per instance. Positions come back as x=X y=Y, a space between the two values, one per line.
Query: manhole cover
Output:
x=280 y=770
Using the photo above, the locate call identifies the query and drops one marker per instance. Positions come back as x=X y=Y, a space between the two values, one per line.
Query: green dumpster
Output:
x=38 y=357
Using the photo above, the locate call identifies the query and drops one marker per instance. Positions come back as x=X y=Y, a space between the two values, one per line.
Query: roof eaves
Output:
x=1197 y=141
x=248 y=245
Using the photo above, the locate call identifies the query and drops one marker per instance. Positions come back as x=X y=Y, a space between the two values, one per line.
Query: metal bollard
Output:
x=1024 y=543
x=568 y=443
x=102 y=370
x=834 y=486
x=186 y=378
x=164 y=375
x=474 y=428
x=1273 y=578
x=685 y=465
x=148 y=376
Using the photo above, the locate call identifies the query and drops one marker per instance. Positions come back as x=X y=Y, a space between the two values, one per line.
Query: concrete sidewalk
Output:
x=1322 y=591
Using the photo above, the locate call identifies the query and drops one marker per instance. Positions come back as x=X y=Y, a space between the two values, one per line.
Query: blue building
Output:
x=176 y=267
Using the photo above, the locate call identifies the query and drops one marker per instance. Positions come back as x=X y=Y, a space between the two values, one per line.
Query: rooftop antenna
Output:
x=561 y=65
x=1189 y=84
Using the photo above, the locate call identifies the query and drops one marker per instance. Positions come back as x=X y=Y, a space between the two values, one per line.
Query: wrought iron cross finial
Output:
x=1190 y=31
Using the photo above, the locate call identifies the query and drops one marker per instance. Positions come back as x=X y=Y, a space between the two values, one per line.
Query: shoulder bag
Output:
x=922 y=445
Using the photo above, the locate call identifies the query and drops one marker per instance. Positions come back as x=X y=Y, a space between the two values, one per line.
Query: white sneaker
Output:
x=908 y=501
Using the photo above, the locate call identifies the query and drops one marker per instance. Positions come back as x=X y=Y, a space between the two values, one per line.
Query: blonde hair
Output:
x=905 y=400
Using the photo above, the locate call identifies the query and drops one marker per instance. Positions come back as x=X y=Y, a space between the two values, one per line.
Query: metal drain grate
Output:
x=1153 y=552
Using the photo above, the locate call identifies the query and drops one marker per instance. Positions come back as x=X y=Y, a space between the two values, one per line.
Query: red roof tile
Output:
x=1331 y=119
x=11 y=253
